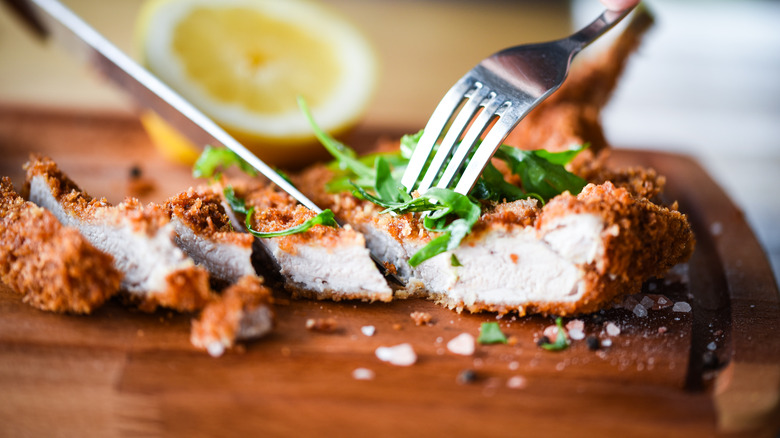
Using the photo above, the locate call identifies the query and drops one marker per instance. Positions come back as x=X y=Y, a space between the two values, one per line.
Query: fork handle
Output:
x=598 y=27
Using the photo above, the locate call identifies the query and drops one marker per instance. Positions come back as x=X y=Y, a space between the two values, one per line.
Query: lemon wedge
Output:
x=245 y=62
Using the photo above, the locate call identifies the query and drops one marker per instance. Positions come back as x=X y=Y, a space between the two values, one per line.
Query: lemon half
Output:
x=245 y=62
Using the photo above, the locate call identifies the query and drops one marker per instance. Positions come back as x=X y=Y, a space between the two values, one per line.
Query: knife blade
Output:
x=50 y=19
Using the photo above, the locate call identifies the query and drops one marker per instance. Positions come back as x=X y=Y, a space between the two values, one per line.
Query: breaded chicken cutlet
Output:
x=574 y=255
x=322 y=263
x=51 y=265
x=139 y=238
x=242 y=312
x=205 y=233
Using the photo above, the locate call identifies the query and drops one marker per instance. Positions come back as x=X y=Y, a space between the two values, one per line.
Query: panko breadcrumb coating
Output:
x=53 y=266
x=322 y=263
x=139 y=238
x=205 y=233
x=242 y=312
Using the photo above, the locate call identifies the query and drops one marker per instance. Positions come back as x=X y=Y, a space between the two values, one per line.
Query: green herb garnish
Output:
x=561 y=342
x=454 y=261
x=490 y=333
x=324 y=218
x=213 y=158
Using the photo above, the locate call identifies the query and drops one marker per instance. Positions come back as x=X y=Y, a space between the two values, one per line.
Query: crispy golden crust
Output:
x=642 y=240
x=202 y=211
x=53 y=266
x=220 y=321
x=275 y=210
x=185 y=289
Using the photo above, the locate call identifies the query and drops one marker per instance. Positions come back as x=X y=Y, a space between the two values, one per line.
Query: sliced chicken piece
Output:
x=574 y=255
x=53 y=266
x=139 y=238
x=322 y=263
x=242 y=312
x=205 y=233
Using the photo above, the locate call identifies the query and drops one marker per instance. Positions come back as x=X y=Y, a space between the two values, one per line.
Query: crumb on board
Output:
x=325 y=325
x=421 y=318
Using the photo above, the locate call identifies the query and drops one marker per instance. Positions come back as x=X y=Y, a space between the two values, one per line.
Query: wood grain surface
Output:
x=120 y=372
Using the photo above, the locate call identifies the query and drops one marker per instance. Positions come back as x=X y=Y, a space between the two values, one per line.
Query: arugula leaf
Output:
x=561 y=343
x=539 y=175
x=562 y=158
x=345 y=156
x=385 y=185
x=212 y=158
x=454 y=261
x=490 y=333
x=325 y=218
x=491 y=186
x=236 y=204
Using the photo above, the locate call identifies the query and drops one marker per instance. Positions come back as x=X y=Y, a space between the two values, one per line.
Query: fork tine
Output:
x=470 y=139
x=466 y=114
x=433 y=129
x=505 y=123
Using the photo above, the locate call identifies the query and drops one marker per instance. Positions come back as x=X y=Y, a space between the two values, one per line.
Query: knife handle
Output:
x=26 y=12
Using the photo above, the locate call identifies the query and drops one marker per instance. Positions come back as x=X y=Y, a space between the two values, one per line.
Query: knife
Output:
x=51 y=19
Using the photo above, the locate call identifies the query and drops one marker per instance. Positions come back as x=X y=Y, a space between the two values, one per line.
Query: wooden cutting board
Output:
x=120 y=372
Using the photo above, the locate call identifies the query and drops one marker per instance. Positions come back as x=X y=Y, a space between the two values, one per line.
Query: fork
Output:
x=503 y=89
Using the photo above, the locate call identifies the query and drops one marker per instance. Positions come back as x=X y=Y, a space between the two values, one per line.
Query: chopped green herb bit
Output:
x=325 y=218
x=213 y=158
x=561 y=342
x=236 y=204
x=490 y=333
x=454 y=261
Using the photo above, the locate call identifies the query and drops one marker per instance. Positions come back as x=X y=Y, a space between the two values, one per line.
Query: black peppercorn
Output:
x=467 y=376
x=543 y=340
x=593 y=343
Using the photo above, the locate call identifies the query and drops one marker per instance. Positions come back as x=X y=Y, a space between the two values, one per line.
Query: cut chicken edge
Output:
x=343 y=271
x=322 y=263
x=52 y=266
x=140 y=240
x=243 y=312
x=204 y=232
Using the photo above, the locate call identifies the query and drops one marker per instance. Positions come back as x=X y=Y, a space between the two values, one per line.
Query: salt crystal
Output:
x=551 y=331
x=575 y=324
x=681 y=306
x=401 y=355
x=662 y=329
x=640 y=311
x=576 y=335
x=368 y=330
x=215 y=349
x=716 y=228
x=712 y=346
x=516 y=382
x=612 y=329
x=606 y=343
x=647 y=302
x=363 y=374
x=514 y=365
x=462 y=344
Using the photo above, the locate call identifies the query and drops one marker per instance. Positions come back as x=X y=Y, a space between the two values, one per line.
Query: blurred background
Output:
x=704 y=83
